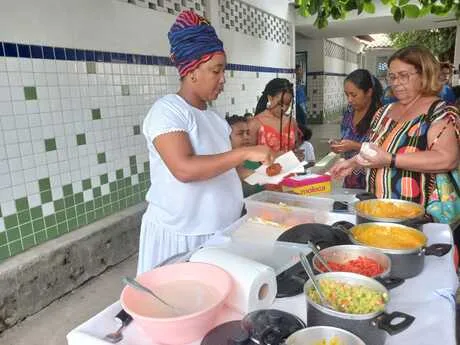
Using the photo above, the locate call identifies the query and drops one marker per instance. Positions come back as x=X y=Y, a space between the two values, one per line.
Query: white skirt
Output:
x=157 y=244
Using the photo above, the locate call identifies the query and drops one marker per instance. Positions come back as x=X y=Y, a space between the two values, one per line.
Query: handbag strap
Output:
x=432 y=180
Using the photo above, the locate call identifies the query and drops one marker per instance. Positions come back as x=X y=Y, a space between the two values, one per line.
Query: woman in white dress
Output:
x=195 y=190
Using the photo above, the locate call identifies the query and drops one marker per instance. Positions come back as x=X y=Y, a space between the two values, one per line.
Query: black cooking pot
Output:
x=372 y=328
x=259 y=327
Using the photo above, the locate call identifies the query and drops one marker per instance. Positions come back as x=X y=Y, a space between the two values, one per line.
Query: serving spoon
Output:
x=138 y=286
x=318 y=255
x=311 y=275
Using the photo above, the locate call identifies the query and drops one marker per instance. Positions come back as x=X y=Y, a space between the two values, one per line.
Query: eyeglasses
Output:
x=403 y=77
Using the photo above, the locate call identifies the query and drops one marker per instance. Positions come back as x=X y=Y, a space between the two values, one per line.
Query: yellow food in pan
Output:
x=389 y=237
x=386 y=209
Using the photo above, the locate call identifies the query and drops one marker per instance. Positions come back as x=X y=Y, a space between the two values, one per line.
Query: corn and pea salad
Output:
x=348 y=298
x=332 y=341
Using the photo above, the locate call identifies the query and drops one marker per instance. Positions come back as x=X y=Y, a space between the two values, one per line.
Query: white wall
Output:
x=315 y=53
x=348 y=42
x=88 y=24
x=455 y=79
x=71 y=130
x=278 y=8
x=247 y=50
x=325 y=91
x=371 y=59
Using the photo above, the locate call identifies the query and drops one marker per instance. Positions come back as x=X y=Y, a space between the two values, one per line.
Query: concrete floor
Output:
x=321 y=134
x=51 y=325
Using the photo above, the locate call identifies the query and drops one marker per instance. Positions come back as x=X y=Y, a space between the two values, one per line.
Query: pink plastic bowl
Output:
x=183 y=329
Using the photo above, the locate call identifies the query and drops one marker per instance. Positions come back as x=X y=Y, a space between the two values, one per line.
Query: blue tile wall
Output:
x=326 y=73
x=11 y=49
x=71 y=54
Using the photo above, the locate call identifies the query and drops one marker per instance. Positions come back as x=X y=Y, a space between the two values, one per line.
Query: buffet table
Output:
x=429 y=297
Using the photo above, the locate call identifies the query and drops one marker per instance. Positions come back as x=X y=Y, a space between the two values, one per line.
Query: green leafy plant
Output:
x=324 y=10
x=440 y=41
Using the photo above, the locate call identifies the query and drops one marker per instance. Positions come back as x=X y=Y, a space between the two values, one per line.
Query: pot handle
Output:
x=340 y=206
x=390 y=283
x=416 y=221
x=343 y=226
x=274 y=333
x=384 y=320
x=437 y=249
x=365 y=196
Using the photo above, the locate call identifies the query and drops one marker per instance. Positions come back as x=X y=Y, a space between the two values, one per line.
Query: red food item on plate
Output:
x=362 y=265
x=273 y=169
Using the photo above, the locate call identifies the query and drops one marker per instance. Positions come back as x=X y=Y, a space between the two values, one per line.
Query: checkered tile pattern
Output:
x=241 y=17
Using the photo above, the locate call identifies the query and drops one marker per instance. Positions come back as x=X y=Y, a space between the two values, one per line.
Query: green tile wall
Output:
x=50 y=144
x=30 y=93
x=81 y=139
x=96 y=114
x=72 y=138
x=29 y=227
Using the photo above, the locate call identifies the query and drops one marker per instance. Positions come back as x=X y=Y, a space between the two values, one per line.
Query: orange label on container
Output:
x=317 y=188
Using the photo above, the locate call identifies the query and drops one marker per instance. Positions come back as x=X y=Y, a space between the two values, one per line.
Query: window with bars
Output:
x=381 y=66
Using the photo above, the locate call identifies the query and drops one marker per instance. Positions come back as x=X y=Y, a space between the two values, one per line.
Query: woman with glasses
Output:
x=410 y=142
x=363 y=92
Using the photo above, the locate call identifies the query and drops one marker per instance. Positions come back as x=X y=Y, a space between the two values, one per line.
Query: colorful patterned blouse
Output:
x=348 y=131
x=403 y=137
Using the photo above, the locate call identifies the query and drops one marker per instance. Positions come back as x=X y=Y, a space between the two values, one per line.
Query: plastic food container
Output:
x=288 y=209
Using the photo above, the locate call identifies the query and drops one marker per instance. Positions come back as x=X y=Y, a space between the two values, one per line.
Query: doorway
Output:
x=301 y=59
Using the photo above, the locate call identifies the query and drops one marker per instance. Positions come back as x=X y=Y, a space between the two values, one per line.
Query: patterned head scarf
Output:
x=193 y=41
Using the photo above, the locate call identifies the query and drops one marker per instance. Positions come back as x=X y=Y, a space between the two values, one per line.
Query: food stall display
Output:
x=365 y=307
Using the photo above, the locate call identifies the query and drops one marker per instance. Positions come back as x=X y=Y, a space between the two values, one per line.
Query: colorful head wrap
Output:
x=193 y=41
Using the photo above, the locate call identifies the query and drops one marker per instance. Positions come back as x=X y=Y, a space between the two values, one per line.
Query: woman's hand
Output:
x=343 y=167
x=345 y=145
x=259 y=153
x=300 y=154
x=379 y=158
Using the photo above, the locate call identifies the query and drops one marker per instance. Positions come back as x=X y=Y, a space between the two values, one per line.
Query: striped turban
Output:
x=193 y=41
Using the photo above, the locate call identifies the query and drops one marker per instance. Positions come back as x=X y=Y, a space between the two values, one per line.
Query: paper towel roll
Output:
x=254 y=283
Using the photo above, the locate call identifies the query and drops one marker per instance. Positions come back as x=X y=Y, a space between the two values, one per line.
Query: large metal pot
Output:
x=372 y=328
x=405 y=263
x=344 y=253
x=363 y=216
x=314 y=336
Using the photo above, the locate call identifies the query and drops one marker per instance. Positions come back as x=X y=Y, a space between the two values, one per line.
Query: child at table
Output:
x=240 y=137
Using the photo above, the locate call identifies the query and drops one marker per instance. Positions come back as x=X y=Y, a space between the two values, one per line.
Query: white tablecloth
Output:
x=429 y=297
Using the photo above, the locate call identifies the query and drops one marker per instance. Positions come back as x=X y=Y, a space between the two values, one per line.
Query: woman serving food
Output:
x=195 y=190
